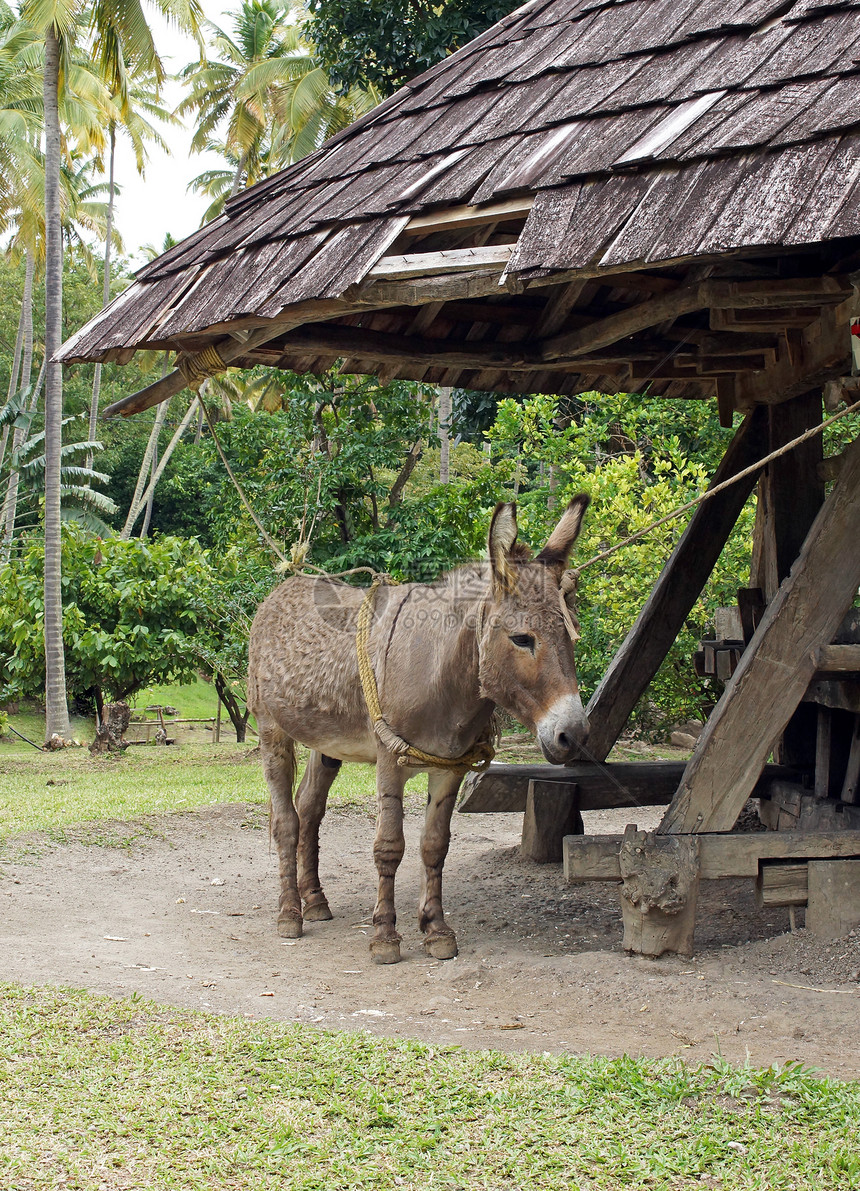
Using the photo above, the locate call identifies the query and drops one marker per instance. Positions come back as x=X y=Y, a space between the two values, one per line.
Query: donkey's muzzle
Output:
x=563 y=730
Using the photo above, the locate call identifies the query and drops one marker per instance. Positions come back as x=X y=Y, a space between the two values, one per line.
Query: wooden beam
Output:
x=675 y=592
x=838 y=658
x=596 y=857
x=822 y=353
x=449 y=260
x=456 y=218
x=776 y=668
x=365 y=344
x=713 y=294
x=504 y=788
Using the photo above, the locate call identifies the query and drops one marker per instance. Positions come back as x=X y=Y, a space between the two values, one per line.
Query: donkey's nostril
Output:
x=564 y=740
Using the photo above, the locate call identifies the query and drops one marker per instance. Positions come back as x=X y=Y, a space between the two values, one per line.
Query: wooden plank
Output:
x=464 y=216
x=776 y=669
x=619 y=784
x=721 y=856
x=675 y=591
x=427 y=264
x=838 y=658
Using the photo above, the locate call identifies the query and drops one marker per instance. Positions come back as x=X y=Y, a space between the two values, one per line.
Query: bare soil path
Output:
x=186 y=916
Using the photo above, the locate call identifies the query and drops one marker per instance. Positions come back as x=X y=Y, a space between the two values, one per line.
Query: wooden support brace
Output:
x=675 y=592
x=777 y=667
x=551 y=814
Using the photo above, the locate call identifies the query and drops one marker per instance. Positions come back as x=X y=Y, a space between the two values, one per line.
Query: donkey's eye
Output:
x=524 y=641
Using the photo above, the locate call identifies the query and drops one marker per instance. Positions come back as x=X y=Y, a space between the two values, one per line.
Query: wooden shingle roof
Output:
x=579 y=160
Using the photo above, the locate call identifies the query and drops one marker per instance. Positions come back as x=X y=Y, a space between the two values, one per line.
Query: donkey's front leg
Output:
x=388 y=848
x=440 y=941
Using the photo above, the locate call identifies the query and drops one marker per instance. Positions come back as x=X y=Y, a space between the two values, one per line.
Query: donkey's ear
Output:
x=557 y=550
x=501 y=540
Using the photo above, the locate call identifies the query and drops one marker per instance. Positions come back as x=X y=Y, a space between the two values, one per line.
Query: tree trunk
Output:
x=237 y=177
x=137 y=504
x=97 y=373
x=238 y=718
x=112 y=725
x=396 y=494
x=444 y=434
x=56 y=708
x=25 y=334
x=19 y=344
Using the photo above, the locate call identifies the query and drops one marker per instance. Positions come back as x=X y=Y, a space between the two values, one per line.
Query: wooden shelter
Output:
x=609 y=195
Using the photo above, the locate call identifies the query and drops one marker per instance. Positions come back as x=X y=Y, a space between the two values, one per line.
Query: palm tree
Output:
x=140 y=106
x=123 y=44
x=265 y=101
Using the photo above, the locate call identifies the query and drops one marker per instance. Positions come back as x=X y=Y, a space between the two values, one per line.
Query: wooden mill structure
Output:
x=607 y=195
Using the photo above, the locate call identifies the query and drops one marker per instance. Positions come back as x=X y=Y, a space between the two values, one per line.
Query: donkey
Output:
x=444 y=655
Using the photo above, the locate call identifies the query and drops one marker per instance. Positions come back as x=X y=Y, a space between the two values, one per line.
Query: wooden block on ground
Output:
x=833 y=906
x=659 y=892
x=781 y=884
x=551 y=814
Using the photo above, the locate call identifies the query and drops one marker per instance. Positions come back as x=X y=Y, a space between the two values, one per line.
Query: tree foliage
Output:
x=132 y=612
x=384 y=43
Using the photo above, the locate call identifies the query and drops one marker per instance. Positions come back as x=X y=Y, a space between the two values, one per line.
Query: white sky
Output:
x=150 y=207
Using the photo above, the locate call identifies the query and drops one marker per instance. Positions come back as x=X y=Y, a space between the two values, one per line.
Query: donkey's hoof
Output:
x=441 y=946
x=290 y=928
x=385 y=951
x=318 y=913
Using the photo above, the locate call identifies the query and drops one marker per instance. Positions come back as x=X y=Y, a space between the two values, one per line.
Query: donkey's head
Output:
x=528 y=631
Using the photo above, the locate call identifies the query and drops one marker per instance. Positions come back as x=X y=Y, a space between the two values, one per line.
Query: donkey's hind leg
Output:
x=310 y=803
x=439 y=940
x=278 y=752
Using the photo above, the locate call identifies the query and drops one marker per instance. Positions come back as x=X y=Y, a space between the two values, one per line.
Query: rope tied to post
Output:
x=477 y=758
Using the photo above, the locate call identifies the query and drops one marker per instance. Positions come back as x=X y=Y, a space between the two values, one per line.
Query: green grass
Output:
x=105 y=1094
x=71 y=794
x=194 y=700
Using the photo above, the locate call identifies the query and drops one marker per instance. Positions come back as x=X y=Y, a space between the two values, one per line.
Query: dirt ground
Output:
x=187 y=917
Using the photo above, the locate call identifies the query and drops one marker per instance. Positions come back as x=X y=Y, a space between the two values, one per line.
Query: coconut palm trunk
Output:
x=10 y=501
x=97 y=371
x=56 y=708
x=20 y=344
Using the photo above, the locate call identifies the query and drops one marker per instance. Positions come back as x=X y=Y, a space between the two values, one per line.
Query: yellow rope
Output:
x=200 y=366
x=478 y=757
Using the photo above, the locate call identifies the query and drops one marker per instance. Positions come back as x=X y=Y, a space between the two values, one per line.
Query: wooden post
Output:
x=790 y=493
x=833 y=897
x=851 y=785
x=776 y=669
x=551 y=814
x=675 y=592
x=659 y=892
x=216 y=731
